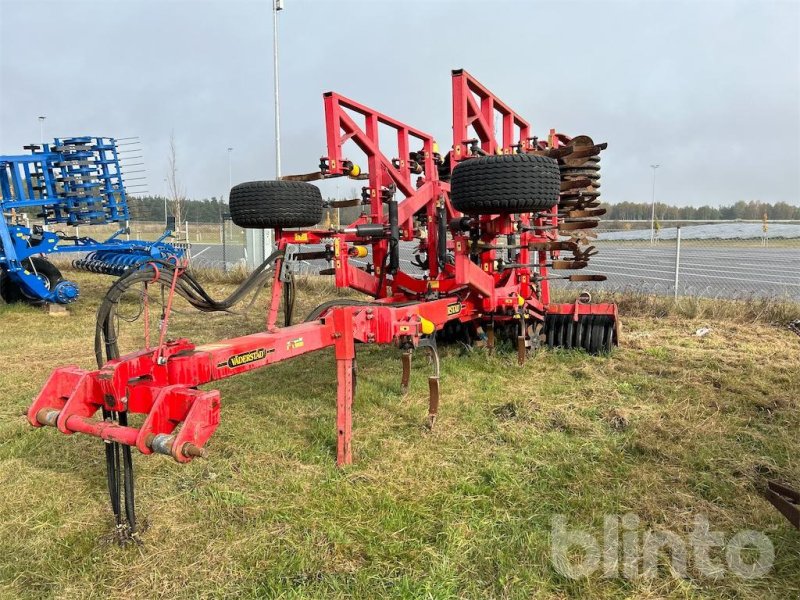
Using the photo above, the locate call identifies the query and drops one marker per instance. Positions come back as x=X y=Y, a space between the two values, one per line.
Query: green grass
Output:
x=669 y=426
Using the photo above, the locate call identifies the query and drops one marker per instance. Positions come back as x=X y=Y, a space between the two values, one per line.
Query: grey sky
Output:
x=710 y=90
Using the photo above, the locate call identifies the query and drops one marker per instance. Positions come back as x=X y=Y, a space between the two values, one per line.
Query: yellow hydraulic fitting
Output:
x=358 y=251
x=355 y=171
x=426 y=326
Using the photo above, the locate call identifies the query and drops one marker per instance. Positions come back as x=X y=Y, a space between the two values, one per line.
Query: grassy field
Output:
x=668 y=427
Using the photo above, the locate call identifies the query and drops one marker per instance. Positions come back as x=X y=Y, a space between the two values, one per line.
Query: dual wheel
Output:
x=594 y=333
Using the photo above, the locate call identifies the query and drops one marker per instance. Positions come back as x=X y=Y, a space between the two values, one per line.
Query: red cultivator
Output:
x=490 y=222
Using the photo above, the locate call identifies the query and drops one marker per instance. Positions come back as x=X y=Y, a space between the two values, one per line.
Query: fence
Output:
x=722 y=260
x=732 y=259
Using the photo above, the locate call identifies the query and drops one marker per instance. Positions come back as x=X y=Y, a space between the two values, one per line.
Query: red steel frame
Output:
x=162 y=383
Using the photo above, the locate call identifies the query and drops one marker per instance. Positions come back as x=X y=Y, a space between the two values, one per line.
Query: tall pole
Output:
x=230 y=178
x=653 y=207
x=276 y=6
x=41 y=131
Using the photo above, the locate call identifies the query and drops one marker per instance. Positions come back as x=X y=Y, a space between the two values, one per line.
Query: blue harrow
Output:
x=71 y=182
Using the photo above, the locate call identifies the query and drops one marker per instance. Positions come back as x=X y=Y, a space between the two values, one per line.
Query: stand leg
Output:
x=344 y=415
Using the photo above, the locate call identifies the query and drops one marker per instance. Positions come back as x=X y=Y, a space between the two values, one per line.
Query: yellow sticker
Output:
x=300 y=237
x=294 y=344
x=453 y=309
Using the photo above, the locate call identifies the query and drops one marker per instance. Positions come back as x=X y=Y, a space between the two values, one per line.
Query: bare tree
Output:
x=177 y=190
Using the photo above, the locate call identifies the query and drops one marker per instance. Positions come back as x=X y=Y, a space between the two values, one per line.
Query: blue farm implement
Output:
x=69 y=183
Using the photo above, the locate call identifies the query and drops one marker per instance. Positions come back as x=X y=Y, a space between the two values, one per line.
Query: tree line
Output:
x=151 y=208
x=753 y=210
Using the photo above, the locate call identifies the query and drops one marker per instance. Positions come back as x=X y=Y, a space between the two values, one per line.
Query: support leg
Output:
x=490 y=340
x=344 y=415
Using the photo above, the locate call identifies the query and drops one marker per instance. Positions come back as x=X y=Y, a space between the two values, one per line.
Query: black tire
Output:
x=275 y=204
x=11 y=292
x=508 y=183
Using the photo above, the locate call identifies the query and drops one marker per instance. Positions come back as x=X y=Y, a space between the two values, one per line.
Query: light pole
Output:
x=230 y=179
x=276 y=6
x=653 y=207
x=41 y=130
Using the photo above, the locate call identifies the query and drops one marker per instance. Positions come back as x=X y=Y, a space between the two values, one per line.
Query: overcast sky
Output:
x=708 y=89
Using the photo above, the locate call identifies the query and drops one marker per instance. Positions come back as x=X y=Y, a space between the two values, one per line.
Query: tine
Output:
x=587 y=277
x=586 y=254
x=549 y=246
x=574 y=225
x=562 y=265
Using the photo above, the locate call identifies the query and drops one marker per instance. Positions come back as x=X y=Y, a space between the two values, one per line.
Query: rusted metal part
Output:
x=433 y=400
x=303 y=177
x=345 y=203
x=585 y=254
x=576 y=277
x=588 y=213
x=578 y=203
x=582 y=156
x=576 y=225
x=405 y=379
x=575 y=183
x=551 y=246
x=582 y=193
x=490 y=337
x=433 y=381
x=786 y=500
x=563 y=265
x=587 y=277
x=522 y=350
x=560 y=152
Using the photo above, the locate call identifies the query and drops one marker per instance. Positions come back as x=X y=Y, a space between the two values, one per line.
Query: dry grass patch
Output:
x=669 y=426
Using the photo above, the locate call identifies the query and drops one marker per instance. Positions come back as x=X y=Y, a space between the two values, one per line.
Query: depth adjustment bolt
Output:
x=48 y=416
x=164 y=444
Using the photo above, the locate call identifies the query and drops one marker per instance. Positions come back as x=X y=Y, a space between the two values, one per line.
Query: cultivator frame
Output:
x=72 y=182
x=470 y=278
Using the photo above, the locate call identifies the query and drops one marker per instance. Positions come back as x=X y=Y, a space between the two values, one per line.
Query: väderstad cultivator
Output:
x=493 y=220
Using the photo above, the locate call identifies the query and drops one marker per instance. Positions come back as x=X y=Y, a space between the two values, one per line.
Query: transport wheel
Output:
x=275 y=204
x=508 y=183
x=10 y=290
